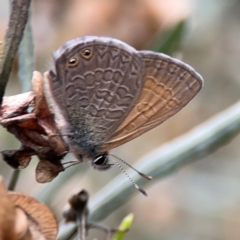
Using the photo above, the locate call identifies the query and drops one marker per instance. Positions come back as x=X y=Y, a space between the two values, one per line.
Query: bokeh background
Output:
x=199 y=201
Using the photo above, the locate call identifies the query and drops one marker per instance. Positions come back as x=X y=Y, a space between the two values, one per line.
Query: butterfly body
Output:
x=104 y=93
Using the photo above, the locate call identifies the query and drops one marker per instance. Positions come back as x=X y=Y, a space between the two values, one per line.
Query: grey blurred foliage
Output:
x=26 y=58
x=200 y=200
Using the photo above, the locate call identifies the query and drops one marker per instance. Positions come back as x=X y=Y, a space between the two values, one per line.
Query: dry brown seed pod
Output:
x=36 y=130
x=24 y=218
x=41 y=222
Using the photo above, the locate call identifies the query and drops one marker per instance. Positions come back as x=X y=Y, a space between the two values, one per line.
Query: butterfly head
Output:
x=98 y=161
x=85 y=148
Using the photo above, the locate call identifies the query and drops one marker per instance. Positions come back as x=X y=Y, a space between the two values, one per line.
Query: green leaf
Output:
x=123 y=227
x=169 y=42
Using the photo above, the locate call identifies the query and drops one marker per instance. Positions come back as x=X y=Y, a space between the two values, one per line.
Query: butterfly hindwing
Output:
x=169 y=85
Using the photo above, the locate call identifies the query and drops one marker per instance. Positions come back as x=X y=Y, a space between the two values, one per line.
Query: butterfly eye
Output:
x=101 y=162
x=86 y=53
x=72 y=62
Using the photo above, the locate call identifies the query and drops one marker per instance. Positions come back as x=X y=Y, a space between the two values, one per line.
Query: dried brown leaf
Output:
x=36 y=130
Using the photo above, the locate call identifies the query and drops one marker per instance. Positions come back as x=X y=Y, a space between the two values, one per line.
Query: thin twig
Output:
x=13 y=37
x=13 y=180
x=81 y=223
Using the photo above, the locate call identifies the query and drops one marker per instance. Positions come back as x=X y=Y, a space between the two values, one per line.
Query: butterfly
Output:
x=105 y=93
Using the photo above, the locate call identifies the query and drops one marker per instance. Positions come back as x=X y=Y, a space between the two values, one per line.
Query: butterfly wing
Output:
x=169 y=85
x=92 y=96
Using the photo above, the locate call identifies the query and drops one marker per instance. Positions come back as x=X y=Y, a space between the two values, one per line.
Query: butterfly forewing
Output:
x=94 y=94
x=168 y=86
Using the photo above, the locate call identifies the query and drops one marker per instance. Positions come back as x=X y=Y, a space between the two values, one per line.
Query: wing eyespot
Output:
x=72 y=62
x=86 y=53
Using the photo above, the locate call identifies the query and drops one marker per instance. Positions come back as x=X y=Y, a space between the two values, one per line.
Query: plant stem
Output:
x=13 y=180
x=13 y=37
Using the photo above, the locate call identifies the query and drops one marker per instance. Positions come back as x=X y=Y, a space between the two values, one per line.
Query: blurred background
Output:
x=199 y=201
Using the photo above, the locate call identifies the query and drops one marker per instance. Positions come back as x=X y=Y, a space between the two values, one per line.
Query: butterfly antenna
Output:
x=72 y=163
x=141 y=174
x=121 y=168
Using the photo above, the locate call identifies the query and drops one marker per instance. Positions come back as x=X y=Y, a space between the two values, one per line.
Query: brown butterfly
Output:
x=105 y=93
